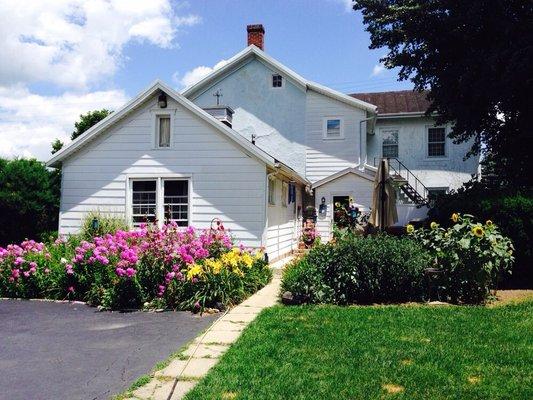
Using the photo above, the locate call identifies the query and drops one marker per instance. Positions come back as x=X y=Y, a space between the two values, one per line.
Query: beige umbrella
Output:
x=384 y=211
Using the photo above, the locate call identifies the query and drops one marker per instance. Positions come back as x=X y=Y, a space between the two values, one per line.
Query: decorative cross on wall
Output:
x=218 y=95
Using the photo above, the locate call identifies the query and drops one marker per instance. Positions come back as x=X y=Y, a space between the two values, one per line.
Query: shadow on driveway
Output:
x=71 y=351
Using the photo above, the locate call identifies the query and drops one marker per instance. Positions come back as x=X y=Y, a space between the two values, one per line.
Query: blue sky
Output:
x=61 y=58
x=320 y=39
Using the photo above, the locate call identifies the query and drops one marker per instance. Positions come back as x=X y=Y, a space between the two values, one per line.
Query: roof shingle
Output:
x=403 y=101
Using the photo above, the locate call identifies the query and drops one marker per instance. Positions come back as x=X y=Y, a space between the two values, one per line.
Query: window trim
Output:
x=325 y=128
x=156 y=114
x=284 y=194
x=389 y=128
x=271 y=199
x=271 y=82
x=159 y=178
x=426 y=143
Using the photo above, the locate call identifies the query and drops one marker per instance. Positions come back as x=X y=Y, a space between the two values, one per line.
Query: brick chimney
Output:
x=256 y=35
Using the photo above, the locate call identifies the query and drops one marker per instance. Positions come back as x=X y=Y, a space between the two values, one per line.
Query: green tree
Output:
x=475 y=58
x=29 y=199
x=86 y=121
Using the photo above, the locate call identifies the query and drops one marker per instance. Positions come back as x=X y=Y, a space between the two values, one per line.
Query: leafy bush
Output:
x=512 y=212
x=168 y=267
x=29 y=199
x=106 y=223
x=359 y=269
x=470 y=255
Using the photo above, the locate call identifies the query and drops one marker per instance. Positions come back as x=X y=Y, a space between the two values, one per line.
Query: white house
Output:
x=275 y=144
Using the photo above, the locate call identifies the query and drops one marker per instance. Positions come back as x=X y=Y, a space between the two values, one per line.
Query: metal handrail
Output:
x=409 y=174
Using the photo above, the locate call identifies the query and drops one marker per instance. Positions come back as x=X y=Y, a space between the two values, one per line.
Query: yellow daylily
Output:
x=455 y=217
x=410 y=228
x=194 y=271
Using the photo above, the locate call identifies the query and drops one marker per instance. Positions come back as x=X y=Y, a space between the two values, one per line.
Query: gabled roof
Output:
x=253 y=51
x=396 y=102
x=346 y=171
x=157 y=86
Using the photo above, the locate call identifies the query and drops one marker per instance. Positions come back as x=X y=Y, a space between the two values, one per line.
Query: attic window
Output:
x=163 y=131
x=333 y=128
x=277 y=81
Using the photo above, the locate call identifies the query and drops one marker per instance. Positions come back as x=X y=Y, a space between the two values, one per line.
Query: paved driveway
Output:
x=72 y=351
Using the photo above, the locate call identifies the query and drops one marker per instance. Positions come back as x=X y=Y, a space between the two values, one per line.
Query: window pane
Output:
x=277 y=81
x=271 y=191
x=176 y=201
x=143 y=201
x=390 y=143
x=436 y=142
x=164 y=132
x=333 y=127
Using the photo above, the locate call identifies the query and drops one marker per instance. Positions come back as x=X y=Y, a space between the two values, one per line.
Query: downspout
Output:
x=361 y=161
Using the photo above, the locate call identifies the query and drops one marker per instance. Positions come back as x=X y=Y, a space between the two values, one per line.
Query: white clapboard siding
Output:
x=283 y=225
x=360 y=189
x=227 y=183
x=325 y=157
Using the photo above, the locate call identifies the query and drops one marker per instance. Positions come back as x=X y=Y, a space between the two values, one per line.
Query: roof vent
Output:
x=223 y=113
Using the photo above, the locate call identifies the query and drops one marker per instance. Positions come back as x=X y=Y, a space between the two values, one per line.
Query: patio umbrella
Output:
x=384 y=211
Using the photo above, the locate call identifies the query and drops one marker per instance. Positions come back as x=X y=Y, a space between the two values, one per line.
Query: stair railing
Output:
x=399 y=168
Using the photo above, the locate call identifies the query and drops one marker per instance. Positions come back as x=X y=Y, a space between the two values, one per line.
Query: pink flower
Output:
x=130 y=272
x=71 y=289
x=46 y=271
x=120 y=271
x=19 y=260
x=15 y=273
x=26 y=273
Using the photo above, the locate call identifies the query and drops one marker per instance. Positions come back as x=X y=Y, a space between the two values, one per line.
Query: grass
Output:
x=383 y=352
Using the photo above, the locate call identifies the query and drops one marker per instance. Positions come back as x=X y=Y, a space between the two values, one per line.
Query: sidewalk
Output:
x=182 y=374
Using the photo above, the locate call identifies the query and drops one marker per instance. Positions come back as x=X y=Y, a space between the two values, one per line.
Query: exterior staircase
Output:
x=410 y=189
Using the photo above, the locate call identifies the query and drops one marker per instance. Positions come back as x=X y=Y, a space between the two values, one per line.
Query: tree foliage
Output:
x=475 y=58
x=29 y=199
x=86 y=121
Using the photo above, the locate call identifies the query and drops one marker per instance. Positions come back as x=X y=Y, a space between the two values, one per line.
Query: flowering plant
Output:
x=166 y=267
x=470 y=254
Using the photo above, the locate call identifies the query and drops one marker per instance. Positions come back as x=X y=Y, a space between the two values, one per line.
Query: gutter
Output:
x=361 y=161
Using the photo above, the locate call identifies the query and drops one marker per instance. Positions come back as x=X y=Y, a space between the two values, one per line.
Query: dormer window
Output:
x=277 y=81
x=163 y=131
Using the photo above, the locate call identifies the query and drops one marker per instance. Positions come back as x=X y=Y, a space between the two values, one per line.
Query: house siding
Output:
x=276 y=116
x=325 y=157
x=283 y=224
x=450 y=171
x=227 y=183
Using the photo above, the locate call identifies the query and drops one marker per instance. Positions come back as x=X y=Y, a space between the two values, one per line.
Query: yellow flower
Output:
x=478 y=231
x=194 y=271
x=455 y=217
x=214 y=265
x=410 y=228
x=510 y=252
x=247 y=260
x=434 y=225
x=488 y=223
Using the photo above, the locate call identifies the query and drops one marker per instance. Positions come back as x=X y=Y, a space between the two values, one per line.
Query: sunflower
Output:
x=488 y=223
x=434 y=225
x=410 y=228
x=455 y=218
x=478 y=231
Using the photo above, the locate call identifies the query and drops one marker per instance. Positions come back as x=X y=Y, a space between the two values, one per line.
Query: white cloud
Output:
x=196 y=74
x=74 y=43
x=30 y=122
x=348 y=4
x=378 y=69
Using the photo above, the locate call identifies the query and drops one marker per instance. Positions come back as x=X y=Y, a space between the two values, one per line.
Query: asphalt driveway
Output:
x=71 y=351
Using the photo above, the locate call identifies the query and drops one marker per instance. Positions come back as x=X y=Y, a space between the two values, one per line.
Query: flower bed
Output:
x=145 y=268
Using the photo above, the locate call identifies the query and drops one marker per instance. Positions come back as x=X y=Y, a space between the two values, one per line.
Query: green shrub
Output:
x=106 y=223
x=359 y=269
x=512 y=212
x=470 y=255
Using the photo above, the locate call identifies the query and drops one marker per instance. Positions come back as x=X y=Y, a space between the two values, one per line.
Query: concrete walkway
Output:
x=184 y=372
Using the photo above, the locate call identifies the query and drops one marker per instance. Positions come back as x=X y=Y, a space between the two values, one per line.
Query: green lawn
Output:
x=390 y=352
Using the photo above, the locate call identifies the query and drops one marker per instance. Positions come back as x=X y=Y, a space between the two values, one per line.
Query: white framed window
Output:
x=162 y=199
x=333 y=128
x=277 y=81
x=389 y=146
x=163 y=131
x=284 y=194
x=436 y=142
x=272 y=191
x=176 y=201
x=143 y=201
